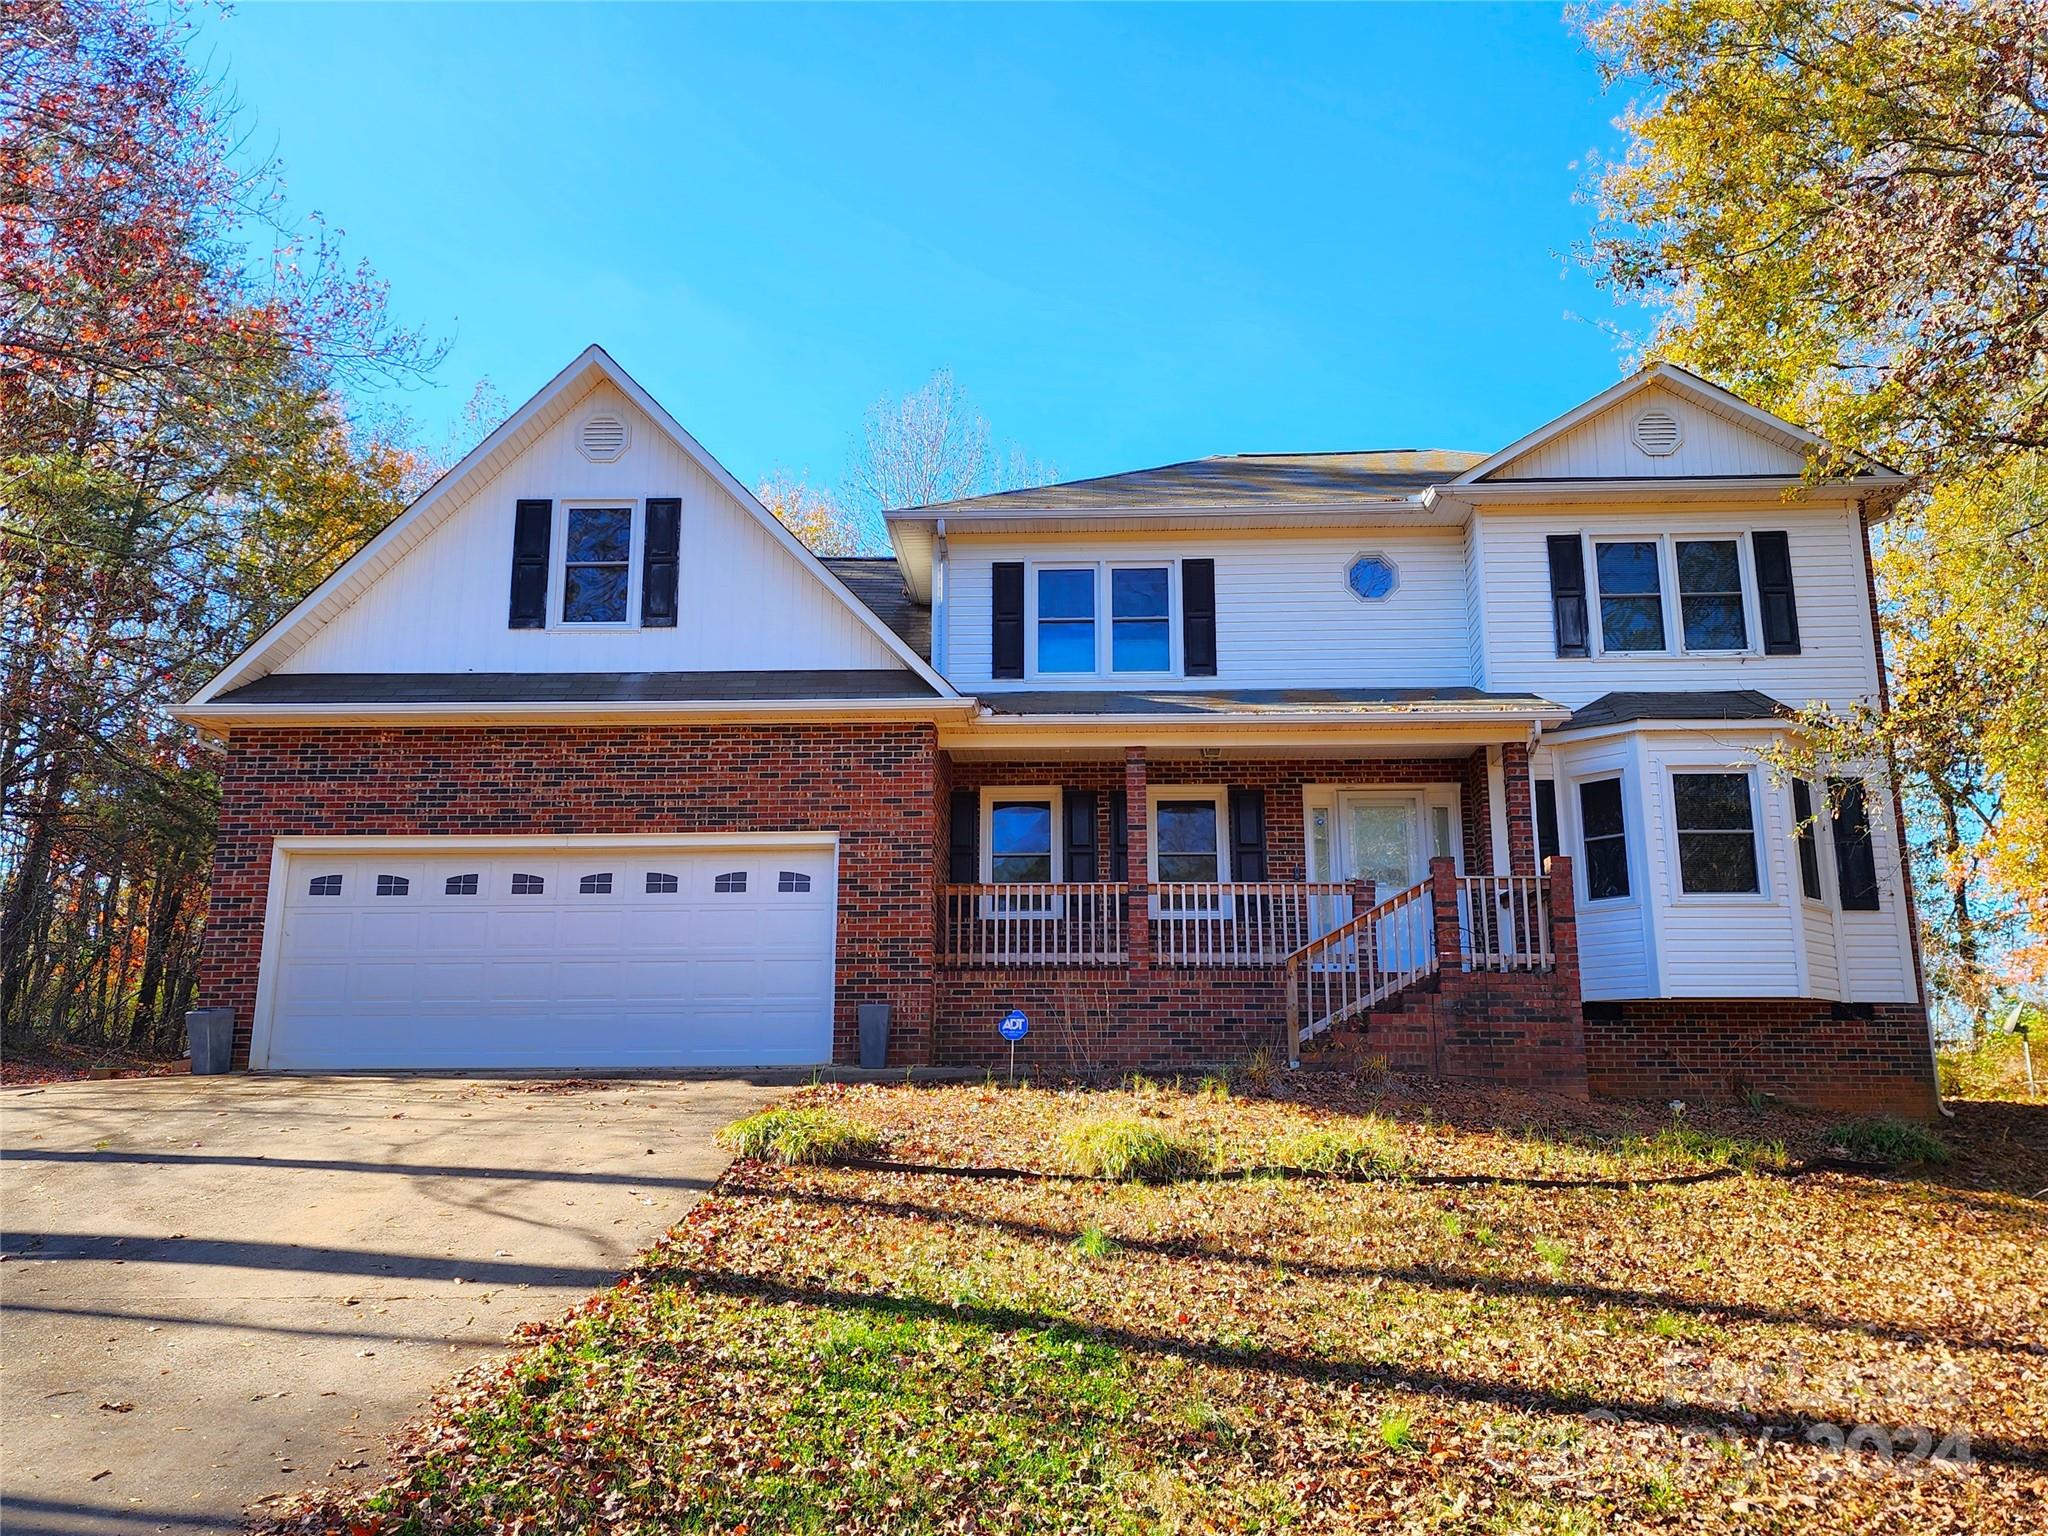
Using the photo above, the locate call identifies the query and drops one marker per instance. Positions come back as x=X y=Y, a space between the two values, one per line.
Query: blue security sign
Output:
x=1014 y=1026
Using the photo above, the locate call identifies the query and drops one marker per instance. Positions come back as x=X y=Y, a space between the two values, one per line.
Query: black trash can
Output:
x=874 y=1036
x=211 y=1034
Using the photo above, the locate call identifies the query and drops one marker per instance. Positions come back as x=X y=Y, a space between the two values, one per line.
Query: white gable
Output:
x=743 y=603
x=431 y=592
x=1655 y=433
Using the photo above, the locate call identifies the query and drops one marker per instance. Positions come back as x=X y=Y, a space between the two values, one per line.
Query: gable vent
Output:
x=1656 y=433
x=602 y=438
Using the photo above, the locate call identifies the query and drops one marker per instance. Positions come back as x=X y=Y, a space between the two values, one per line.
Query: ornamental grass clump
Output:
x=800 y=1137
x=1883 y=1139
x=1125 y=1148
x=1366 y=1146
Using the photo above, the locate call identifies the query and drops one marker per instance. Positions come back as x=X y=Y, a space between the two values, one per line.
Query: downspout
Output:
x=939 y=626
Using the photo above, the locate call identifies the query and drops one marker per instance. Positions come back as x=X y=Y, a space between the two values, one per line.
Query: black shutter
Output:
x=1568 y=594
x=1198 y=617
x=532 y=524
x=1855 y=859
x=660 y=562
x=964 y=867
x=1006 y=619
x=1546 y=820
x=1247 y=834
x=1119 y=836
x=1774 y=593
x=1080 y=813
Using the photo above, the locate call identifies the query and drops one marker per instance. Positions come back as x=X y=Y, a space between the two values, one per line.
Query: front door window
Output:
x=1380 y=843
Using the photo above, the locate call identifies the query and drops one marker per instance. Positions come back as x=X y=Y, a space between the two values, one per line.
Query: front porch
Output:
x=1356 y=906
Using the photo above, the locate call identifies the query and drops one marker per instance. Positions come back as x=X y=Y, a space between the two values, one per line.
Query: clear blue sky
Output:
x=1136 y=234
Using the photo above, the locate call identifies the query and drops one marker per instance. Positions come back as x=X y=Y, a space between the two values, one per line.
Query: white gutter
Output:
x=415 y=711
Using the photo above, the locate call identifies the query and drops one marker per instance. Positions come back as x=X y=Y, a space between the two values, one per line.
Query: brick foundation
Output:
x=875 y=785
x=1090 y=1019
x=1849 y=1057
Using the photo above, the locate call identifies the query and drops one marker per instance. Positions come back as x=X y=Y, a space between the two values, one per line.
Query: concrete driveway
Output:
x=218 y=1291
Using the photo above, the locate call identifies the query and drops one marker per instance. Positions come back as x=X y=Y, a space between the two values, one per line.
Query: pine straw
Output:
x=1554 y=1320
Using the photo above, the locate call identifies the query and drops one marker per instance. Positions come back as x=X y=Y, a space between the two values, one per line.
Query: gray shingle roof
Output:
x=878 y=582
x=1291 y=701
x=342 y=688
x=1245 y=481
x=1711 y=704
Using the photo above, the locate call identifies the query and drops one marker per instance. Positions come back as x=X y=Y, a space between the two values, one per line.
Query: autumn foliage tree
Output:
x=1839 y=208
x=177 y=467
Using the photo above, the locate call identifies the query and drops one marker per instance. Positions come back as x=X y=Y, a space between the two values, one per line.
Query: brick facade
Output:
x=884 y=790
x=1859 y=1057
x=875 y=785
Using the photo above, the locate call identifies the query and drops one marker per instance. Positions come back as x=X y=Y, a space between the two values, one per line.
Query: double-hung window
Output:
x=1188 y=849
x=1715 y=815
x=597 y=564
x=1710 y=595
x=1631 y=595
x=1636 y=581
x=1066 y=619
x=1021 y=846
x=1098 y=620
x=1139 y=637
x=1603 y=839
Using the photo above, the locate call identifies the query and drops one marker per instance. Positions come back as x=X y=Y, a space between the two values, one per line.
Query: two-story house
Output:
x=1452 y=759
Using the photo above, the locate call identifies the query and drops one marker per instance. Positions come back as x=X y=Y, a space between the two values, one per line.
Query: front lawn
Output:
x=1492 y=1313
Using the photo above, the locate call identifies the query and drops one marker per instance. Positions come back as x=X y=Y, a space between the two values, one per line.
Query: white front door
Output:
x=428 y=955
x=1383 y=836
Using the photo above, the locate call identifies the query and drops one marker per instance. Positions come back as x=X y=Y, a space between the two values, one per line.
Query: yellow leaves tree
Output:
x=1837 y=208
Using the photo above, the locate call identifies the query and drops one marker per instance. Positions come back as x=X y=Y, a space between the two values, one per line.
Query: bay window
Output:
x=1715 y=815
x=1603 y=839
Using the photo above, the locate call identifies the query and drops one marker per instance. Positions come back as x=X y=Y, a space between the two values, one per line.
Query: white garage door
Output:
x=600 y=958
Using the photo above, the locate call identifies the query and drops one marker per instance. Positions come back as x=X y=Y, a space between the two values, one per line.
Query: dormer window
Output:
x=597 y=565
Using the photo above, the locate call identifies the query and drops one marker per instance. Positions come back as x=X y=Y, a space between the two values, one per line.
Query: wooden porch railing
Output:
x=1359 y=963
x=1504 y=923
x=1204 y=923
x=1067 y=924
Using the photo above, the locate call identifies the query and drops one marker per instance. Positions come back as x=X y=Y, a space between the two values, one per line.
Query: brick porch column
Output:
x=1443 y=891
x=1564 y=924
x=1138 y=862
x=1518 y=778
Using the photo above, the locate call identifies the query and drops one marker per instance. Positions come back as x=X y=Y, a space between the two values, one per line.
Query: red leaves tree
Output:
x=178 y=464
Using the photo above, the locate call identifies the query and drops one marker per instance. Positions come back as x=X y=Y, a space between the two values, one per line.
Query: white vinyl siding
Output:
x=745 y=602
x=1285 y=616
x=1600 y=447
x=1837 y=663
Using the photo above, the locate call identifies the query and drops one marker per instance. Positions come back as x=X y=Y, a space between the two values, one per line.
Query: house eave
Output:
x=216 y=718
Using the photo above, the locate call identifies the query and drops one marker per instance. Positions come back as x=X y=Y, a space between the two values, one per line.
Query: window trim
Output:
x=1105 y=618
x=558 y=561
x=1670 y=598
x=1049 y=793
x=1217 y=795
x=1763 y=895
x=1631 y=839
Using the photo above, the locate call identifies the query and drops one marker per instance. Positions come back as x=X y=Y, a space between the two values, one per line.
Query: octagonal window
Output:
x=1372 y=577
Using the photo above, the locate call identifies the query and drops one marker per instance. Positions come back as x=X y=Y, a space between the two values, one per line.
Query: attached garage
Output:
x=469 y=953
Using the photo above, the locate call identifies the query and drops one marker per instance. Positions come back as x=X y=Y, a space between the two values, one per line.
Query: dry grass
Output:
x=1554 y=1318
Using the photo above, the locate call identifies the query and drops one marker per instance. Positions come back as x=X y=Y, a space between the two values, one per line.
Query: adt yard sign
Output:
x=1013 y=1028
